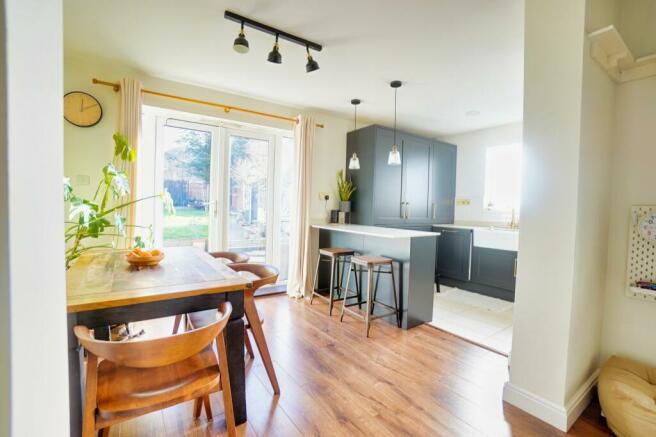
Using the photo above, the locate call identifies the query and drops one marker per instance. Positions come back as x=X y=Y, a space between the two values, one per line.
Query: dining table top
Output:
x=104 y=279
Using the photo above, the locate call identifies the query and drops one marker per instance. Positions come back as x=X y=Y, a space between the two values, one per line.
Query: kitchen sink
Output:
x=496 y=238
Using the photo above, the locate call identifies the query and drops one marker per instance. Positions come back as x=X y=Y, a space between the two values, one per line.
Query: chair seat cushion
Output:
x=627 y=393
x=127 y=391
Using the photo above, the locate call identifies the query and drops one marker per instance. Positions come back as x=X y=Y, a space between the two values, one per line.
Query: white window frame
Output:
x=487 y=204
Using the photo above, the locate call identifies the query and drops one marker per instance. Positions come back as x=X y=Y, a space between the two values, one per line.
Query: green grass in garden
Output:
x=186 y=224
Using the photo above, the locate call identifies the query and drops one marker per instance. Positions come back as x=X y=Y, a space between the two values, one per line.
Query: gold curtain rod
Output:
x=226 y=108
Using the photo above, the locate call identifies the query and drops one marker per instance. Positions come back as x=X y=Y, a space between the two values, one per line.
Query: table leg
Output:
x=234 y=337
x=74 y=379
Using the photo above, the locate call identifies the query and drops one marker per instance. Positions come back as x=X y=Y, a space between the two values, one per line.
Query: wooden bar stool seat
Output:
x=337 y=257
x=371 y=264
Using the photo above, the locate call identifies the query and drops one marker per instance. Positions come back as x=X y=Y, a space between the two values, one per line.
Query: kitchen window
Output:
x=503 y=178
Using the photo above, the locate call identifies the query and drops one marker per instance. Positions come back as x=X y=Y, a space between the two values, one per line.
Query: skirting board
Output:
x=559 y=416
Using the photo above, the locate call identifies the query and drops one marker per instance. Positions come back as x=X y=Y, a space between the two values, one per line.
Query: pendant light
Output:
x=311 y=65
x=394 y=157
x=241 y=43
x=354 y=162
x=274 y=55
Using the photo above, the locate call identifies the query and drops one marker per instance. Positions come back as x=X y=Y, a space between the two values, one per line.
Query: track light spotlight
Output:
x=241 y=43
x=311 y=63
x=274 y=55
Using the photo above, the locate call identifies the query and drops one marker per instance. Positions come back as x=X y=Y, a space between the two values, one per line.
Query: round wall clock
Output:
x=648 y=226
x=82 y=109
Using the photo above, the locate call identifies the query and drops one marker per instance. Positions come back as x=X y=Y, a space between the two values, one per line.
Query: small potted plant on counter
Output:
x=346 y=190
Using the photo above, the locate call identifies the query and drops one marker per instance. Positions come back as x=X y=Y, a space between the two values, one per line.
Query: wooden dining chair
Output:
x=231 y=257
x=261 y=274
x=228 y=258
x=125 y=380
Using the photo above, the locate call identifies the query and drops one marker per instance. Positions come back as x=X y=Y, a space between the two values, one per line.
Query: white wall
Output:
x=32 y=208
x=629 y=324
x=88 y=149
x=552 y=108
x=470 y=172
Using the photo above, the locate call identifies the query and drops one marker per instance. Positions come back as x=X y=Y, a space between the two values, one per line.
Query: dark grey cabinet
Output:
x=416 y=162
x=420 y=191
x=443 y=183
x=454 y=253
x=493 y=267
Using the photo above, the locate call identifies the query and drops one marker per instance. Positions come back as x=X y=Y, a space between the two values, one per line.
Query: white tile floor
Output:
x=481 y=319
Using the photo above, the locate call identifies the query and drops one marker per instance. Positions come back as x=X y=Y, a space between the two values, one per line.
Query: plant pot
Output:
x=345 y=206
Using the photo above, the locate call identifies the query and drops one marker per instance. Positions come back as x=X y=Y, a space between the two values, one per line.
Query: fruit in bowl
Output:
x=141 y=257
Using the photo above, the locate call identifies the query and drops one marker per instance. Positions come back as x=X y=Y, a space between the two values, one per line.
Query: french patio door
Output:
x=231 y=189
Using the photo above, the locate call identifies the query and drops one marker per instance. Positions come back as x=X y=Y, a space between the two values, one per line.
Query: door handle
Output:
x=402 y=210
x=407 y=210
x=515 y=268
x=433 y=210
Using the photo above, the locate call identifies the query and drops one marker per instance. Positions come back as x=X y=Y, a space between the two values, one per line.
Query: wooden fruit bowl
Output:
x=144 y=261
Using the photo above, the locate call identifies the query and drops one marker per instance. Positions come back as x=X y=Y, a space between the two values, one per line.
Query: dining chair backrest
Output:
x=265 y=273
x=233 y=257
x=156 y=352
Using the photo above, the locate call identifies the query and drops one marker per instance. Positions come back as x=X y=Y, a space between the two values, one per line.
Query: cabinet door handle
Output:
x=407 y=210
x=433 y=210
x=402 y=210
x=515 y=268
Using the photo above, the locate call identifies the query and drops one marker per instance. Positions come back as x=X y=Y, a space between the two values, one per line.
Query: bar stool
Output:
x=372 y=264
x=336 y=256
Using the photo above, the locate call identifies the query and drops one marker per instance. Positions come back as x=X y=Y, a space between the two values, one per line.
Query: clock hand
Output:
x=88 y=107
x=81 y=104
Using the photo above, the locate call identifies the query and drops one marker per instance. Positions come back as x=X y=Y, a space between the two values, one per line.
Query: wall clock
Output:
x=647 y=226
x=82 y=109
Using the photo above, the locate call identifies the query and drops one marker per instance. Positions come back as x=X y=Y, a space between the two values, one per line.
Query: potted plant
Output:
x=345 y=189
x=102 y=217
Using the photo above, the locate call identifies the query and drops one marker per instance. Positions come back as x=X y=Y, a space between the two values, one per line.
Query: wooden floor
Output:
x=334 y=382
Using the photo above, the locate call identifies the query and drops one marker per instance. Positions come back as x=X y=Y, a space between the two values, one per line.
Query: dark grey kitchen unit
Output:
x=421 y=191
x=460 y=264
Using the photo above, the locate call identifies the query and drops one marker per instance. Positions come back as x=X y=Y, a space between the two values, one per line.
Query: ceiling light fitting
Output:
x=354 y=162
x=394 y=157
x=241 y=44
x=274 y=55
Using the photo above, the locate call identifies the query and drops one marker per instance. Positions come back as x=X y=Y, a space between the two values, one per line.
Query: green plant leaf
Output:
x=120 y=184
x=68 y=189
x=82 y=210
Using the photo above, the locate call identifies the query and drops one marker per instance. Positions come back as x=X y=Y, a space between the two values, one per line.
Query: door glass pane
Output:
x=187 y=156
x=287 y=203
x=247 y=200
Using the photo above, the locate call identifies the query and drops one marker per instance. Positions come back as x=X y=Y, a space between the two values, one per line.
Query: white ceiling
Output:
x=454 y=56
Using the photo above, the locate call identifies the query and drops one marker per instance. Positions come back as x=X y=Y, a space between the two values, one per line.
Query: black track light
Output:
x=311 y=63
x=274 y=55
x=241 y=43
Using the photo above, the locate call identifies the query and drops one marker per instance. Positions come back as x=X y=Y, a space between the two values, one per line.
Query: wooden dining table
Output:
x=104 y=289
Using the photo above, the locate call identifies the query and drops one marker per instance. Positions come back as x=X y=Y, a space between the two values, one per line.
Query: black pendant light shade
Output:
x=354 y=162
x=241 y=43
x=274 y=55
x=311 y=63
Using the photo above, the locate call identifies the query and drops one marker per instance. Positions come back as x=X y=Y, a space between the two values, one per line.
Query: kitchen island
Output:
x=413 y=253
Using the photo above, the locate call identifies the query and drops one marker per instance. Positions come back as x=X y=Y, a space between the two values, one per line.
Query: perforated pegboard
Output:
x=641 y=257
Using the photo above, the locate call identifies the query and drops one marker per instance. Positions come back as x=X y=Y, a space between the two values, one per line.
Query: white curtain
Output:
x=129 y=124
x=299 y=281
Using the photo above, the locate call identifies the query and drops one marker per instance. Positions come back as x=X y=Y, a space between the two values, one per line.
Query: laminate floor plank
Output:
x=336 y=382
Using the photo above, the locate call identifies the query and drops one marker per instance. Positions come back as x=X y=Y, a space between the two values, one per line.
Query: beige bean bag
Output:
x=627 y=393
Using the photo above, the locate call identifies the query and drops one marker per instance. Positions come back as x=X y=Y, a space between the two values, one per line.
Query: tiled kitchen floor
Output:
x=480 y=319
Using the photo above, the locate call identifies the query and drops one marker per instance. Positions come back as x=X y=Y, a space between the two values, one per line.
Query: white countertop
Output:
x=374 y=231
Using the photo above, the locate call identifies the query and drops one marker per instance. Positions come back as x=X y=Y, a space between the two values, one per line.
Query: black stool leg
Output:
x=316 y=279
x=331 y=290
x=348 y=280
x=357 y=287
x=396 y=303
